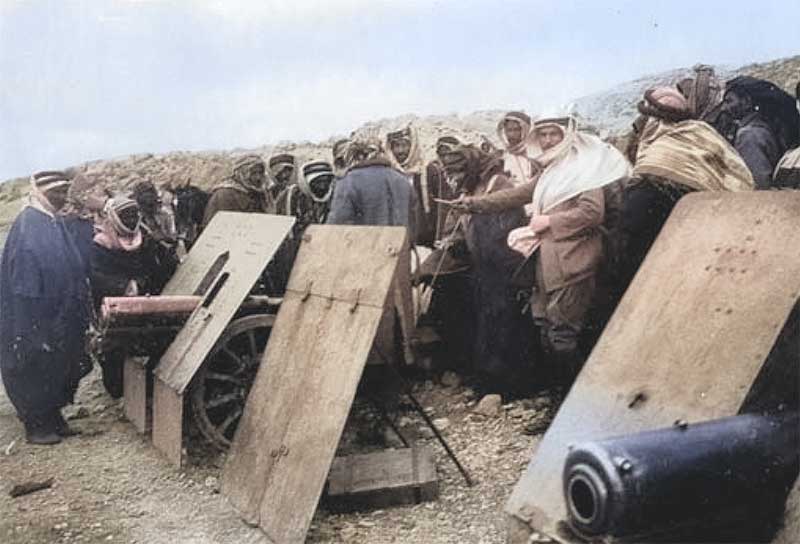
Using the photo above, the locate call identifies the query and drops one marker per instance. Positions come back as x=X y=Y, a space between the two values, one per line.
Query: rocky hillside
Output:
x=609 y=112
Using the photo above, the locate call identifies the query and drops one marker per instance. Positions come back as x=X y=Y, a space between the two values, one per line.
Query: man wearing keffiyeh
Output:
x=122 y=263
x=44 y=301
x=427 y=179
x=244 y=191
x=514 y=130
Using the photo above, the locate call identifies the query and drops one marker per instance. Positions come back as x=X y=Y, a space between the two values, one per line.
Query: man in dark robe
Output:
x=499 y=347
x=787 y=173
x=244 y=191
x=45 y=306
x=427 y=180
x=767 y=124
x=122 y=263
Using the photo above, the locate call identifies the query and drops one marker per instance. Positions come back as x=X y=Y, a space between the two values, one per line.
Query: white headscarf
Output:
x=579 y=163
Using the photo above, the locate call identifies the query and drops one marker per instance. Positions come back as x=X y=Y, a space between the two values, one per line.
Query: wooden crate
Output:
x=382 y=479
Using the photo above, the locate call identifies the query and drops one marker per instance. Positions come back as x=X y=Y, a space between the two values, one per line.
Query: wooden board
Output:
x=168 y=422
x=135 y=384
x=687 y=340
x=249 y=240
x=298 y=405
x=382 y=479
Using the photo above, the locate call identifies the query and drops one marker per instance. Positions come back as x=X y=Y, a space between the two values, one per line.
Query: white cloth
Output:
x=579 y=163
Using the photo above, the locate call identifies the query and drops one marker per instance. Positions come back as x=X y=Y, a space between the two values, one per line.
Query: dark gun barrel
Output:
x=655 y=482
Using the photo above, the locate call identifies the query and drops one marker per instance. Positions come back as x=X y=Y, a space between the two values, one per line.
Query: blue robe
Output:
x=44 y=312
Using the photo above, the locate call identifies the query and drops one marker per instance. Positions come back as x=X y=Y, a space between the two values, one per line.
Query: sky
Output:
x=90 y=79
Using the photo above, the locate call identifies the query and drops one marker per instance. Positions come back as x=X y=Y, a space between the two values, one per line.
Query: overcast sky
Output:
x=86 y=79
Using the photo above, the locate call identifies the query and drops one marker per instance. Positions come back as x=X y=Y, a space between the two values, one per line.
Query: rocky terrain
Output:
x=111 y=485
x=609 y=113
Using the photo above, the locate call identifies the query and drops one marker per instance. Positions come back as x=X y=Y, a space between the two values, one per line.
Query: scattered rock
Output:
x=489 y=406
x=451 y=379
x=441 y=423
x=81 y=413
x=211 y=482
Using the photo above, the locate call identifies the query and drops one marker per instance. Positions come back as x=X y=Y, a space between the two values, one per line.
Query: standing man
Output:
x=767 y=124
x=787 y=173
x=514 y=130
x=282 y=174
x=567 y=210
x=373 y=193
x=244 y=191
x=44 y=303
x=427 y=180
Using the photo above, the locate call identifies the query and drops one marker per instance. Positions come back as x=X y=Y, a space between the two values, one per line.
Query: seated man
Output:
x=244 y=191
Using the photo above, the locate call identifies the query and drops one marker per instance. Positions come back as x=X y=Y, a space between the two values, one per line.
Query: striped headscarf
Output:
x=44 y=181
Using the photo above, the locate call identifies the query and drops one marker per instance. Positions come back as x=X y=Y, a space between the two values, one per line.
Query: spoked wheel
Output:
x=223 y=382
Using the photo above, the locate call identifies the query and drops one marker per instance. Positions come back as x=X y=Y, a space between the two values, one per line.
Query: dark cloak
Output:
x=44 y=309
x=501 y=330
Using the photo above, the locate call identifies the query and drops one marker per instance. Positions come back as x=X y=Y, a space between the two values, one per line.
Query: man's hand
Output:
x=539 y=223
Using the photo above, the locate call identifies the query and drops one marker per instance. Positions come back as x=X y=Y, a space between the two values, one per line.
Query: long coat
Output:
x=374 y=194
x=45 y=307
x=572 y=248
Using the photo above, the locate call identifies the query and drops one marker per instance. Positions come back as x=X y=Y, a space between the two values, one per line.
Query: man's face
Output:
x=549 y=137
x=57 y=196
x=149 y=202
x=738 y=106
x=320 y=185
x=130 y=217
x=401 y=149
x=513 y=130
x=284 y=175
x=255 y=175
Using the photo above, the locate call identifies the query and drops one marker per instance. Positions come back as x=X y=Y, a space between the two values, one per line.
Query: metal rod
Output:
x=418 y=407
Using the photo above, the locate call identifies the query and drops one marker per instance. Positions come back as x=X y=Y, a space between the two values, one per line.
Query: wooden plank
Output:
x=250 y=241
x=382 y=479
x=687 y=340
x=137 y=409
x=168 y=422
x=298 y=405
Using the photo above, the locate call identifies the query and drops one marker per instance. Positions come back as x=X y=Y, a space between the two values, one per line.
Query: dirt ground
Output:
x=111 y=485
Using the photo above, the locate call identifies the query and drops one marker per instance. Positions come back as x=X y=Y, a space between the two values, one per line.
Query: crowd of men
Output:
x=531 y=246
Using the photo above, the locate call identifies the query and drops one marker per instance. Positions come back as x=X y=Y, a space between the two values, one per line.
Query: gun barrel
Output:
x=657 y=481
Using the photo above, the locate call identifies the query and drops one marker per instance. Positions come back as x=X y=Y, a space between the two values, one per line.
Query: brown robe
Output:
x=233 y=199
